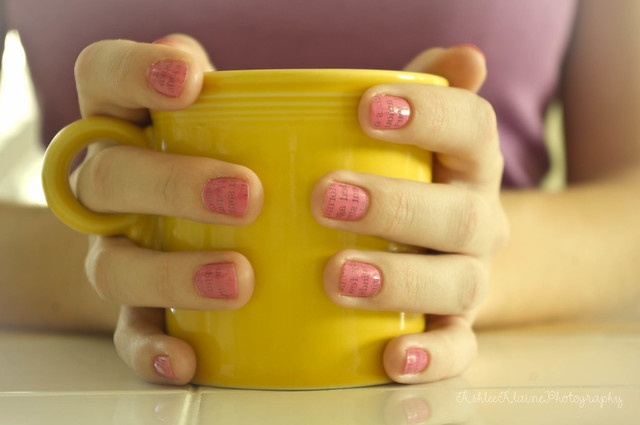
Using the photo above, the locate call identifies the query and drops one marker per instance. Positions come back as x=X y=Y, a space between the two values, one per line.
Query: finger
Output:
x=154 y=356
x=126 y=274
x=123 y=78
x=381 y=281
x=437 y=216
x=464 y=66
x=196 y=188
x=445 y=350
x=457 y=125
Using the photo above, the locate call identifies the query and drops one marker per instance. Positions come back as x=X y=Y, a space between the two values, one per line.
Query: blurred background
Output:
x=21 y=148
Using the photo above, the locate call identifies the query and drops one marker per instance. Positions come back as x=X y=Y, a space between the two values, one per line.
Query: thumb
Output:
x=463 y=65
x=190 y=45
x=124 y=79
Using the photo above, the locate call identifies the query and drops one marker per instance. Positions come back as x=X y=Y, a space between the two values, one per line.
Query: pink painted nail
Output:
x=359 y=279
x=345 y=202
x=389 y=112
x=227 y=196
x=416 y=360
x=168 y=77
x=216 y=281
x=416 y=410
x=162 y=366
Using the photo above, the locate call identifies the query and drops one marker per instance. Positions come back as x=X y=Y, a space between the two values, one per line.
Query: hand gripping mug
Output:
x=290 y=127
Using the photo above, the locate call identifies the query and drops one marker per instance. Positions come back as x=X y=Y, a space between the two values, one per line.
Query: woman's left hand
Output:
x=458 y=218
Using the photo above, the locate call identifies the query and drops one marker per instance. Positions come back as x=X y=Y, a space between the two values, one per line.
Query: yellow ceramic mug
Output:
x=290 y=127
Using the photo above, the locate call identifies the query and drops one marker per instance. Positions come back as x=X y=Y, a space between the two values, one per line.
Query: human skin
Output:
x=570 y=253
x=575 y=252
x=453 y=122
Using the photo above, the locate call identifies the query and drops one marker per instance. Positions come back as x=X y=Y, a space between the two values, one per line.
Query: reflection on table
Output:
x=570 y=373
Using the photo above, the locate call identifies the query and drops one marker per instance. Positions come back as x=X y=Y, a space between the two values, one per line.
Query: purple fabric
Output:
x=524 y=42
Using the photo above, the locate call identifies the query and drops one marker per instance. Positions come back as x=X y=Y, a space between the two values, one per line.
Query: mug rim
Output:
x=318 y=76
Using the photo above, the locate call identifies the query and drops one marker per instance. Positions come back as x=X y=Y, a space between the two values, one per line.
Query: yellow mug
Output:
x=290 y=127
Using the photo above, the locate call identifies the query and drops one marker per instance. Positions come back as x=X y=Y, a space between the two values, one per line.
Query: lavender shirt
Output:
x=524 y=42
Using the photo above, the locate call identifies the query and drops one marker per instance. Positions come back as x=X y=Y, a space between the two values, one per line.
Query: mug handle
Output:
x=64 y=147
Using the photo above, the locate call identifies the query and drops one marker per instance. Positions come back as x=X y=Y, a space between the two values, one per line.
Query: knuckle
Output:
x=85 y=59
x=122 y=336
x=415 y=291
x=466 y=222
x=163 y=284
x=399 y=214
x=128 y=59
x=487 y=122
x=168 y=188
x=97 y=267
x=119 y=336
x=114 y=59
x=503 y=234
x=436 y=117
x=499 y=163
x=473 y=284
x=95 y=176
x=121 y=339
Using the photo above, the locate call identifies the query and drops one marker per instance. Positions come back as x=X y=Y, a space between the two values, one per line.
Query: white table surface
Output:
x=587 y=373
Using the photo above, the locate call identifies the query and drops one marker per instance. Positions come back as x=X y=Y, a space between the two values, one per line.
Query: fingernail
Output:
x=345 y=202
x=216 y=281
x=162 y=366
x=167 y=77
x=416 y=360
x=389 y=112
x=227 y=196
x=415 y=410
x=359 y=279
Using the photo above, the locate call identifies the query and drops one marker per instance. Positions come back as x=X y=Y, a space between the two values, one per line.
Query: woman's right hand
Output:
x=124 y=79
